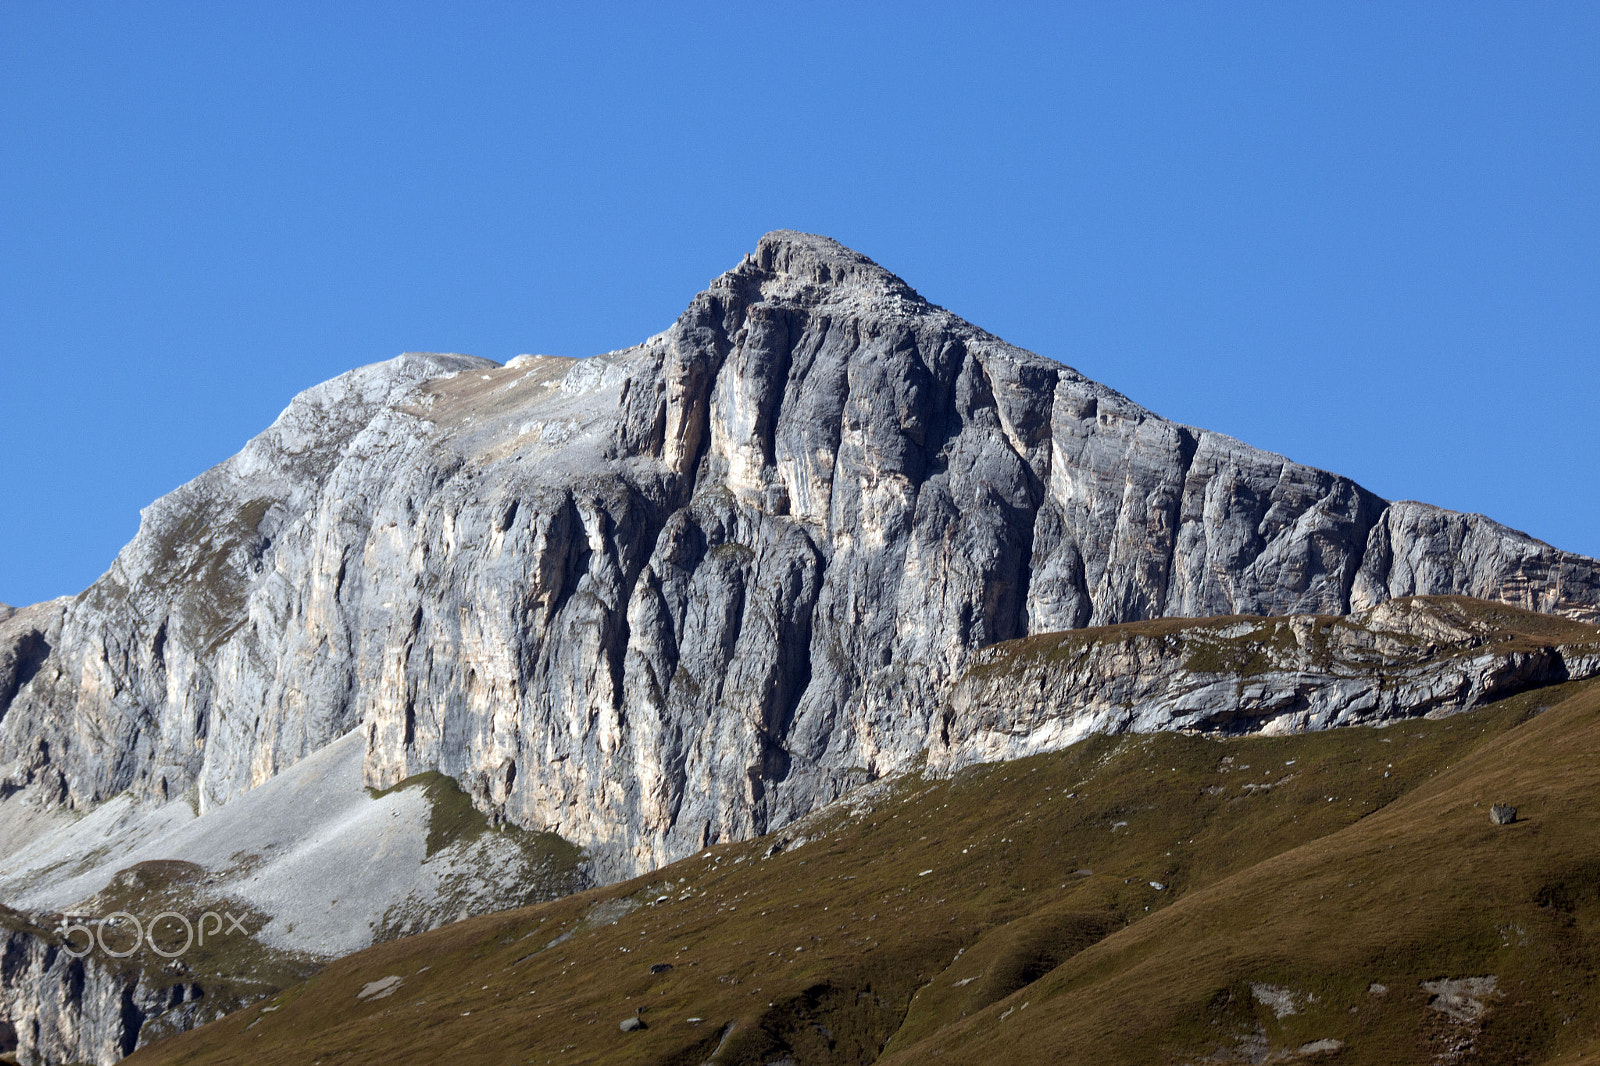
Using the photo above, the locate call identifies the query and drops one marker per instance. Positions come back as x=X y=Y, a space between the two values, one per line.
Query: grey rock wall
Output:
x=84 y=1010
x=1405 y=658
x=688 y=591
x=1421 y=550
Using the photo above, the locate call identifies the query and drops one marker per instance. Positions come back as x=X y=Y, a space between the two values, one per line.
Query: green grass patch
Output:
x=453 y=820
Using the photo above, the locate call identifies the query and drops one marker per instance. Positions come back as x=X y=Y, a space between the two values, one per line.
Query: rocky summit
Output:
x=688 y=591
x=692 y=591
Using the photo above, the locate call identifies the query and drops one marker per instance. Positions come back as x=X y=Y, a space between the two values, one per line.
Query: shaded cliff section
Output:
x=689 y=591
x=89 y=1009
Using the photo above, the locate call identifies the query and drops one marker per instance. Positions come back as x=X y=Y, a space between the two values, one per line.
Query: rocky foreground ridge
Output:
x=688 y=591
x=1408 y=658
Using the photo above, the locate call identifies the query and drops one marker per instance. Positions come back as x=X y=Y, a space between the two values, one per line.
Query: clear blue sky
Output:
x=1363 y=235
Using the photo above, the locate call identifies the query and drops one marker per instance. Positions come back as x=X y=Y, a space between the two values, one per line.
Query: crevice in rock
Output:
x=1188 y=445
x=21 y=665
x=1375 y=511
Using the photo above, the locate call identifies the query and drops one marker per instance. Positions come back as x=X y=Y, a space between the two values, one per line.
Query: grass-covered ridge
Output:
x=1407 y=658
x=1400 y=633
x=453 y=820
x=1009 y=915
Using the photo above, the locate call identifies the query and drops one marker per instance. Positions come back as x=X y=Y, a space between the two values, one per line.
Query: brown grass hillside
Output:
x=1008 y=915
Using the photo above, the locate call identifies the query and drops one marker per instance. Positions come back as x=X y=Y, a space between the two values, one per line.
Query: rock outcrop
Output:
x=87 y=1009
x=688 y=591
x=1407 y=658
x=242 y=901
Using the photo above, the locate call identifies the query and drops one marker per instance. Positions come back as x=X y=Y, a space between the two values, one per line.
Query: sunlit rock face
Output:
x=1406 y=658
x=687 y=591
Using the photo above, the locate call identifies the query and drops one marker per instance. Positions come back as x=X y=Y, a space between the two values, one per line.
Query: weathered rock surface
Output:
x=1421 y=550
x=308 y=867
x=688 y=591
x=1406 y=658
x=89 y=1009
x=323 y=866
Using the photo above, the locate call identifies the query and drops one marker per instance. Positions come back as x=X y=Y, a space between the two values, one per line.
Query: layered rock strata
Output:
x=1407 y=658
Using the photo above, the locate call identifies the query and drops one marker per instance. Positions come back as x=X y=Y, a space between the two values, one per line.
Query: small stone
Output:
x=632 y=1025
x=1500 y=814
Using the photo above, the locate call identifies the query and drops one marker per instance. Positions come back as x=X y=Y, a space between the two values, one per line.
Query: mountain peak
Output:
x=790 y=261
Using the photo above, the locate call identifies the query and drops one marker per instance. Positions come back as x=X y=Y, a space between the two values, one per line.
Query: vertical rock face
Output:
x=688 y=591
x=86 y=1010
x=1418 y=549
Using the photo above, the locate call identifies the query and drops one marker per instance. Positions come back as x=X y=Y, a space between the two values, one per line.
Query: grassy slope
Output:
x=1030 y=939
x=1423 y=890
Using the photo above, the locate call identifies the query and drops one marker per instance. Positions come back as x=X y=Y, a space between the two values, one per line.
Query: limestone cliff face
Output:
x=1403 y=659
x=86 y=1009
x=687 y=591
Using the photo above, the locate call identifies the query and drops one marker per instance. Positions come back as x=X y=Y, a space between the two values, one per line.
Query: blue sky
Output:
x=1364 y=235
